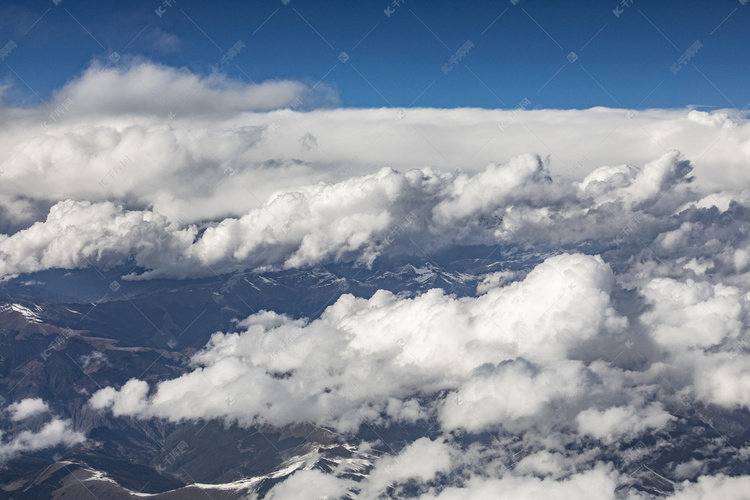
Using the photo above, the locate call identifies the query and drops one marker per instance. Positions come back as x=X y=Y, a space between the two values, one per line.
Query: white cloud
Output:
x=144 y=88
x=421 y=460
x=723 y=378
x=27 y=408
x=709 y=119
x=511 y=392
x=77 y=234
x=355 y=220
x=597 y=483
x=693 y=314
x=643 y=303
x=622 y=422
x=310 y=485
x=633 y=186
x=544 y=463
x=710 y=487
x=348 y=365
x=148 y=135
x=151 y=135
x=690 y=469
x=54 y=433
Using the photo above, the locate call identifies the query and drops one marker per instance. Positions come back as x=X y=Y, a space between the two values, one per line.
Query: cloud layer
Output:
x=587 y=362
x=557 y=380
x=198 y=148
x=351 y=364
x=362 y=218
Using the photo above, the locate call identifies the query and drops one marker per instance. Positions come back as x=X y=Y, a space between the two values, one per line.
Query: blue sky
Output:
x=555 y=54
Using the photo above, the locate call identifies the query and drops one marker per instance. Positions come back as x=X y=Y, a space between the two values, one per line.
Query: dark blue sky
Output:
x=518 y=49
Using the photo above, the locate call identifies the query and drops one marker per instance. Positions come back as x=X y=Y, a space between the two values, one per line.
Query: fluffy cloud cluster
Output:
x=363 y=218
x=620 y=422
x=201 y=148
x=512 y=393
x=543 y=364
x=367 y=357
x=27 y=408
x=56 y=432
x=420 y=468
x=694 y=314
x=563 y=377
x=573 y=362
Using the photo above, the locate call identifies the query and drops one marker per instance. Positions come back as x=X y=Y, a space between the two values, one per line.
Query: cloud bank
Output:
x=198 y=148
x=586 y=362
x=56 y=432
x=387 y=213
x=558 y=380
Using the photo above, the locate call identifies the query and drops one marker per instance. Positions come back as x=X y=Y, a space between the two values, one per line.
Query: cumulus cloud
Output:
x=723 y=378
x=511 y=392
x=27 y=408
x=347 y=366
x=362 y=218
x=637 y=311
x=622 y=422
x=77 y=234
x=56 y=432
x=693 y=314
x=544 y=463
x=150 y=135
x=435 y=470
x=632 y=187
x=598 y=483
x=718 y=486
x=310 y=485
x=422 y=460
